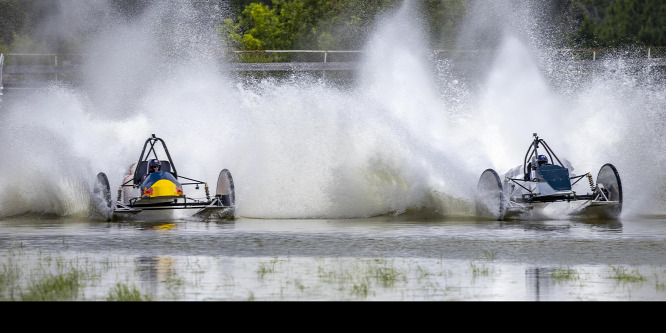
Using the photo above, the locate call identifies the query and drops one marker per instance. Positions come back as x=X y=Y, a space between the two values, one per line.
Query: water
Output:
x=353 y=260
x=358 y=191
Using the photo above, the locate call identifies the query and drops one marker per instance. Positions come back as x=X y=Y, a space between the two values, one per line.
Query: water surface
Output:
x=375 y=259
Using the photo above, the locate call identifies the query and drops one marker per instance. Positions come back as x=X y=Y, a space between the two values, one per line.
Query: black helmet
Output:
x=154 y=163
x=541 y=159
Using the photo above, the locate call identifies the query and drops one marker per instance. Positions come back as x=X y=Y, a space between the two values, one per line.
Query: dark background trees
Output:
x=344 y=24
x=329 y=24
x=618 y=23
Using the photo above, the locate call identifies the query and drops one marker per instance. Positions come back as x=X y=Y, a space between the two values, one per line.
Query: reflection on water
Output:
x=388 y=258
x=608 y=226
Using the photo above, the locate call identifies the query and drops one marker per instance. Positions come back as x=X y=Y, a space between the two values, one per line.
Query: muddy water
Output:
x=356 y=260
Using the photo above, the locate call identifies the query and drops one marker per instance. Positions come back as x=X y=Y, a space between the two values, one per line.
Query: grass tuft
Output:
x=123 y=293
x=565 y=274
x=623 y=274
x=479 y=270
x=63 y=287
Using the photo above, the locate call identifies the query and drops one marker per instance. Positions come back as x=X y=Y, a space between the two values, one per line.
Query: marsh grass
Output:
x=385 y=273
x=423 y=272
x=125 y=293
x=483 y=269
x=625 y=274
x=565 y=274
x=174 y=285
x=488 y=255
x=63 y=287
x=9 y=275
x=54 y=278
x=359 y=278
x=267 y=267
x=479 y=270
x=360 y=289
x=44 y=276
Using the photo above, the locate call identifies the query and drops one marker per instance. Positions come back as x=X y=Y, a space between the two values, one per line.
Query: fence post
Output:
x=323 y=76
x=2 y=66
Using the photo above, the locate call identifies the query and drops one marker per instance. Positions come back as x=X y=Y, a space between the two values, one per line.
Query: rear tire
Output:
x=490 y=199
x=225 y=188
x=609 y=178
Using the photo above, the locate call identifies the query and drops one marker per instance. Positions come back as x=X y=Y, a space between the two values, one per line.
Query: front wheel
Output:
x=102 y=196
x=490 y=199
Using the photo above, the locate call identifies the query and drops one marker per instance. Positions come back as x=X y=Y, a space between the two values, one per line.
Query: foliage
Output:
x=12 y=19
x=62 y=287
x=345 y=24
x=23 y=43
x=620 y=23
x=18 y=22
x=303 y=24
x=443 y=19
x=123 y=293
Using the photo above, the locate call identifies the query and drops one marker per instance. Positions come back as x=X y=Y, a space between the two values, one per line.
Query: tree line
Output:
x=345 y=24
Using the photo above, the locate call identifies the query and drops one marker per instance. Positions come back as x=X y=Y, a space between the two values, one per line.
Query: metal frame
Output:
x=528 y=198
x=152 y=140
x=187 y=203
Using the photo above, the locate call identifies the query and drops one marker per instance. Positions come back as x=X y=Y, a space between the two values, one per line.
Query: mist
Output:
x=408 y=135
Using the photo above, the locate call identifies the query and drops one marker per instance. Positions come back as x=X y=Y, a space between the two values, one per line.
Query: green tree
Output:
x=12 y=20
x=619 y=23
x=343 y=24
x=652 y=31
x=443 y=19
x=293 y=24
x=331 y=24
x=258 y=28
x=584 y=36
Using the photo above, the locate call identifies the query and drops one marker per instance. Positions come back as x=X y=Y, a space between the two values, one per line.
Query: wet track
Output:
x=473 y=257
x=312 y=155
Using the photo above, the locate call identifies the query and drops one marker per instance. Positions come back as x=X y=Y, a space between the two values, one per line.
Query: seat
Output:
x=166 y=166
x=142 y=170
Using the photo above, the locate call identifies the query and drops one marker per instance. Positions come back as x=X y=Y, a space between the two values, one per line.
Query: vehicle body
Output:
x=533 y=187
x=164 y=195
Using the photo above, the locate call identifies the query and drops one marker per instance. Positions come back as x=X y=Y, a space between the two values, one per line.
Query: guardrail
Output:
x=327 y=56
x=22 y=65
x=324 y=56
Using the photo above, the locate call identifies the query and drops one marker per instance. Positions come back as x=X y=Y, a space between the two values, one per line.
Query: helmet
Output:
x=154 y=163
x=542 y=159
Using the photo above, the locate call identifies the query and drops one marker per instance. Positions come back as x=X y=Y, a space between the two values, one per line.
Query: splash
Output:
x=409 y=135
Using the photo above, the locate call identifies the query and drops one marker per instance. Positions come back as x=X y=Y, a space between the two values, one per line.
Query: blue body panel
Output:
x=556 y=176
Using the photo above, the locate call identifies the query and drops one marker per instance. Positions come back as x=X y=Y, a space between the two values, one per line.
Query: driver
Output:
x=153 y=166
x=541 y=160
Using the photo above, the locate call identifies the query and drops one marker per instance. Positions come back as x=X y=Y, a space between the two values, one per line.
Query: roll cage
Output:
x=167 y=165
x=531 y=155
